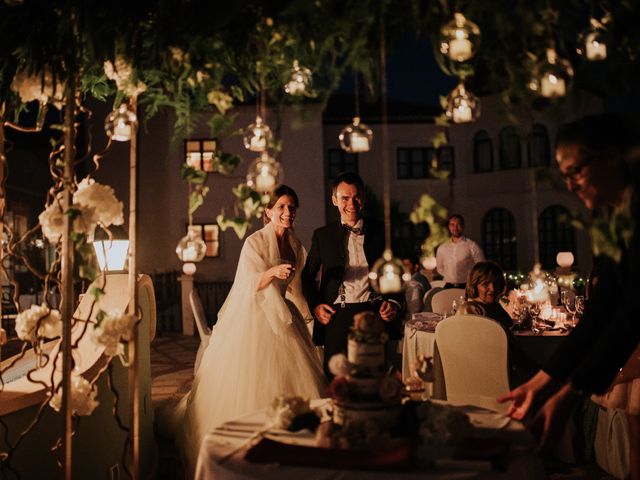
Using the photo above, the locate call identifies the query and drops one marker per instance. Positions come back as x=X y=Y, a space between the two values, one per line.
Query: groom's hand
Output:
x=388 y=310
x=323 y=313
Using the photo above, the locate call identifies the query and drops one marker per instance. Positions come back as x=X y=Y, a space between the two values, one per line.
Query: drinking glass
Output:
x=537 y=325
x=569 y=302
x=579 y=306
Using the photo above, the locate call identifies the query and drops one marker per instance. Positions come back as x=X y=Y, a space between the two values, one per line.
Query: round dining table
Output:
x=224 y=451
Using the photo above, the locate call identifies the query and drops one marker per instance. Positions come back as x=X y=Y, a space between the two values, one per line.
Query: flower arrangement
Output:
x=441 y=424
x=38 y=321
x=368 y=327
x=113 y=328
x=283 y=410
x=83 y=397
x=121 y=72
x=41 y=87
x=102 y=198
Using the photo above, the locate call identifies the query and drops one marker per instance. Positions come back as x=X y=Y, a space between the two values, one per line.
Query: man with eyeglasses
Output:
x=593 y=156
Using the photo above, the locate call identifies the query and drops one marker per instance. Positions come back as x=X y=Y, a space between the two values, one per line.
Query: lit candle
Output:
x=462 y=114
x=595 y=49
x=189 y=254
x=258 y=143
x=359 y=142
x=121 y=132
x=429 y=263
x=390 y=283
x=553 y=86
x=460 y=48
x=265 y=182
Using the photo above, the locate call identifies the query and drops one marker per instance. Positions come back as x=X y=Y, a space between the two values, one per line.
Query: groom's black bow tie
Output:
x=354 y=230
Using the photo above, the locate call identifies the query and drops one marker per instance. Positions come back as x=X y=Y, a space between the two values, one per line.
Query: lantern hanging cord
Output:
x=384 y=144
x=356 y=93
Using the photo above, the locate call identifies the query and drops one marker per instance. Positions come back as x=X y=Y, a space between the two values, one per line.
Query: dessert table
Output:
x=222 y=453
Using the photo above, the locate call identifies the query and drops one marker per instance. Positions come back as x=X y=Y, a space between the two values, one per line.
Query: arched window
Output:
x=499 y=238
x=509 y=149
x=482 y=152
x=554 y=235
x=538 y=146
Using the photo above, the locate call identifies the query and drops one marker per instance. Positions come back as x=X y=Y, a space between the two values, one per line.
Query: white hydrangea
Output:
x=339 y=365
x=122 y=74
x=50 y=325
x=284 y=409
x=52 y=221
x=83 y=397
x=102 y=198
x=114 y=327
x=32 y=87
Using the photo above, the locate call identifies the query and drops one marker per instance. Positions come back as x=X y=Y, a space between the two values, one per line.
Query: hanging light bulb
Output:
x=191 y=247
x=120 y=124
x=265 y=174
x=257 y=136
x=388 y=274
x=356 y=137
x=552 y=76
x=592 y=43
x=462 y=105
x=300 y=80
x=459 y=39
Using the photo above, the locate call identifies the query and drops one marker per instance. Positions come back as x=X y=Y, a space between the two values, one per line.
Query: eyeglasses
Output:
x=576 y=172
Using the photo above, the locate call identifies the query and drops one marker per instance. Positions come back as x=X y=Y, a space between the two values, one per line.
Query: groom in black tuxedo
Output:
x=343 y=252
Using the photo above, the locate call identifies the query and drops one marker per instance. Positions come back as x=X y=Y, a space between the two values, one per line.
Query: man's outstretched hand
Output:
x=388 y=310
x=323 y=313
x=523 y=396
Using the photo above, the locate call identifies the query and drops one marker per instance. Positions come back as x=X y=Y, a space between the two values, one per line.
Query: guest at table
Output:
x=416 y=287
x=485 y=284
x=456 y=256
x=260 y=347
x=594 y=157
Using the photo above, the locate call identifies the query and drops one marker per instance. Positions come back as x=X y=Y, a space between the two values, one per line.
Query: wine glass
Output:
x=579 y=306
x=568 y=300
x=537 y=327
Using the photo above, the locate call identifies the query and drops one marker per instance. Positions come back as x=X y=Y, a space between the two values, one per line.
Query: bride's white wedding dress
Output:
x=260 y=347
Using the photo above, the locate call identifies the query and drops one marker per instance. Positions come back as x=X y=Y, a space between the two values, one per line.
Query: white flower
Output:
x=122 y=74
x=50 y=325
x=102 y=198
x=52 y=221
x=284 y=409
x=36 y=87
x=83 y=397
x=339 y=365
x=114 y=327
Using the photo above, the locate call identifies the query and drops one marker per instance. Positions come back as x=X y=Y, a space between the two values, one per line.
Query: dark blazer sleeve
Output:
x=310 y=273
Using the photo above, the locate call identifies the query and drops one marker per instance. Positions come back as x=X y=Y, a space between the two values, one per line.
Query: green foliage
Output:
x=430 y=211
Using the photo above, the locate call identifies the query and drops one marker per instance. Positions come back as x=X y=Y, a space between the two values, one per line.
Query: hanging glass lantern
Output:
x=356 y=138
x=388 y=274
x=191 y=247
x=257 y=136
x=459 y=39
x=592 y=44
x=120 y=124
x=462 y=105
x=552 y=76
x=265 y=174
x=300 y=80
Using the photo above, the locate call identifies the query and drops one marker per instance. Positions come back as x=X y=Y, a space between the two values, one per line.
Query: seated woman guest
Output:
x=485 y=284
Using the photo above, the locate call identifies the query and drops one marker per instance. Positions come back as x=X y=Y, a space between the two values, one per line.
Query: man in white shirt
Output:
x=456 y=256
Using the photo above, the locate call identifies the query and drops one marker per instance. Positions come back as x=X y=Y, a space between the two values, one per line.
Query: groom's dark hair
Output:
x=350 y=178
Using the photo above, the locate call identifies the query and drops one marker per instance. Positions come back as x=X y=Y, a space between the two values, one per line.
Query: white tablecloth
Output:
x=222 y=451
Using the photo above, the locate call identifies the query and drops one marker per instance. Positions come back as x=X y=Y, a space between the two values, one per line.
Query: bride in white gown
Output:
x=260 y=347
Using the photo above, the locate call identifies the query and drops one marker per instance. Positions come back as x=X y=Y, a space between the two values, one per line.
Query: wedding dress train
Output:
x=260 y=347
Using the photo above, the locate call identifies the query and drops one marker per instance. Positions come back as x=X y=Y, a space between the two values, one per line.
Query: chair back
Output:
x=437 y=283
x=201 y=323
x=473 y=352
x=441 y=301
x=427 y=298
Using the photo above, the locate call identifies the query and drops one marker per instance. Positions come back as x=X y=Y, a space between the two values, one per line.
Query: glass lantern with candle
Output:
x=257 y=136
x=552 y=76
x=264 y=174
x=459 y=39
x=592 y=43
x=121 y=123
x=388 y=274
x=300 y=80
x=191 y=247
x=462 y=105
x=356 y=137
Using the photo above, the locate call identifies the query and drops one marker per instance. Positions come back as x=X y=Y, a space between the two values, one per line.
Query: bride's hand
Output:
x=282 y=271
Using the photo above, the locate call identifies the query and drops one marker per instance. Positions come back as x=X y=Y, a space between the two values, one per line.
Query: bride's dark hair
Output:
x=281 y=191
